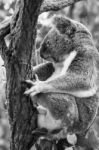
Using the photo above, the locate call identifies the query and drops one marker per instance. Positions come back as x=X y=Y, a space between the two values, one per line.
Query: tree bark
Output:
x=21 y=112
x=55 y=5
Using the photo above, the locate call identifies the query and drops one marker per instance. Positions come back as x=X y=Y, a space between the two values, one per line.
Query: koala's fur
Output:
x=77 y=113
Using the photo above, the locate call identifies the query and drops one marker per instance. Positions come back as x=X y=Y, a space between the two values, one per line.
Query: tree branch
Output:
x=55 y=5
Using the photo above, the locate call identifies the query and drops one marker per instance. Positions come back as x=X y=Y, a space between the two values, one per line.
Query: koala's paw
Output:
x=37 y=87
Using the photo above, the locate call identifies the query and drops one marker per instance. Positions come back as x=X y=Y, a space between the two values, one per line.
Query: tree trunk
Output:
x=21 y=112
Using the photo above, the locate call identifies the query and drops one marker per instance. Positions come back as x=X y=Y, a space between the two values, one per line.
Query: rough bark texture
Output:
x=56 y=5
x=21 y=112
x=17 y=58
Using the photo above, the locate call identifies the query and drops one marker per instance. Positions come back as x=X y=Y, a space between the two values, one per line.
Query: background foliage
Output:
x=86 y=12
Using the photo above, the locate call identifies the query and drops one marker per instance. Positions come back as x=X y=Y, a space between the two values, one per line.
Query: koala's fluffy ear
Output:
x=64 y=25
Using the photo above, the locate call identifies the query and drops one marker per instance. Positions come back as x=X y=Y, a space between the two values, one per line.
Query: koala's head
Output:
x=60 y=39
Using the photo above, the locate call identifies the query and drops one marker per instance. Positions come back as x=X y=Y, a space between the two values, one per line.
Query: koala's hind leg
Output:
x=87 y=109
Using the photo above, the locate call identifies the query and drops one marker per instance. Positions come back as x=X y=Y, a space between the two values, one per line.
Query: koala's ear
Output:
x=64 y=25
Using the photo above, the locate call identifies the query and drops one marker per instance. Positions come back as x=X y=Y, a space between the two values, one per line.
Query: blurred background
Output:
x=86 y=12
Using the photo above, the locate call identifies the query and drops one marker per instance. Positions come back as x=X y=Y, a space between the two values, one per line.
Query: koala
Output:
x=66 y=87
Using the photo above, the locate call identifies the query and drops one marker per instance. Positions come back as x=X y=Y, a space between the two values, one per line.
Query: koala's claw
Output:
x=36 y=78
x=29 y=82
x=30 y=91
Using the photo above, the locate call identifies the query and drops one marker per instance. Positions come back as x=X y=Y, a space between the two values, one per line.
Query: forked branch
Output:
x=48 y=5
